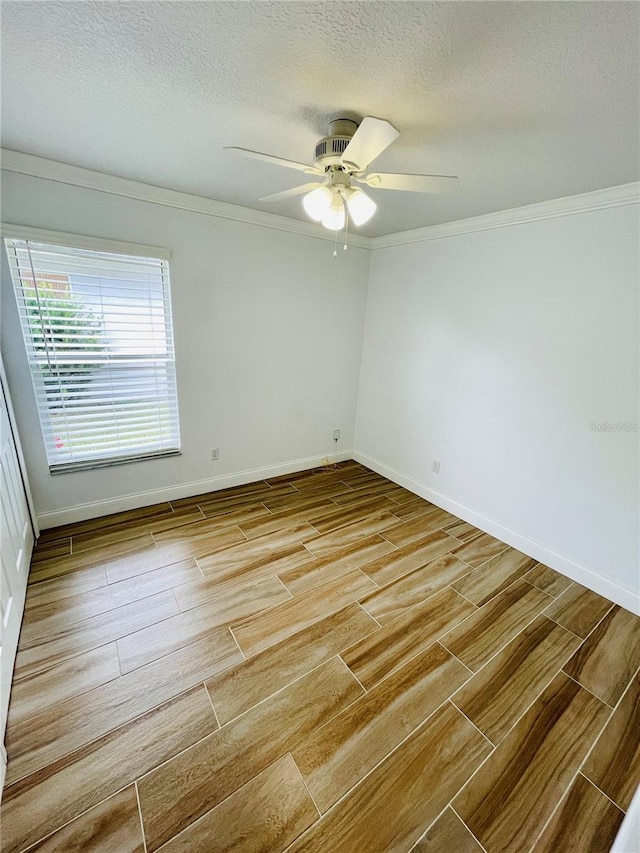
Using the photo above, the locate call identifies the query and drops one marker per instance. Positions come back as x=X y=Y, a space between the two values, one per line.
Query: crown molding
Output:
x=583 y=203
x=52 y=170
x=64 y=173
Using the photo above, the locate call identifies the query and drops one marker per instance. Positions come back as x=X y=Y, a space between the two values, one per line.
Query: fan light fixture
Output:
x=318 y=202
x=345 y=155
x=326 y=204
x=335 y=216
x=361 y=207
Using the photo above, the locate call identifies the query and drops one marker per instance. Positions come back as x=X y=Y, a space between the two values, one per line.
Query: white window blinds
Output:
x=99 y=338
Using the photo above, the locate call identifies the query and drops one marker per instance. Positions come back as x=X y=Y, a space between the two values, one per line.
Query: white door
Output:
x=16 y=545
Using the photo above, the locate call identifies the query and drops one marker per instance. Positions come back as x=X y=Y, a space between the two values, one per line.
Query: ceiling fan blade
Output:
x=293 y=192
x=278 y=161
x=368 y=142
x=411 y=183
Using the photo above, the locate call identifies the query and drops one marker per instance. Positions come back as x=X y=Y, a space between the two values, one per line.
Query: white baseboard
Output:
x=82 y=512
x=625 y=597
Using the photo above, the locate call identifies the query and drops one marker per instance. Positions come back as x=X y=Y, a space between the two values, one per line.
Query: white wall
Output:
x=493 y=352
x=268 y=329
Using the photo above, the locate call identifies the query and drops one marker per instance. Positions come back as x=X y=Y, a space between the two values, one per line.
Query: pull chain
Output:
x=346 y=227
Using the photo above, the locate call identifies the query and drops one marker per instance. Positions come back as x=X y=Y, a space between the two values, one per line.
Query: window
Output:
x=99 y=339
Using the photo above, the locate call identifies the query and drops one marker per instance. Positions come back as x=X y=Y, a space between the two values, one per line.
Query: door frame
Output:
x=33 y=519
x=16 y=441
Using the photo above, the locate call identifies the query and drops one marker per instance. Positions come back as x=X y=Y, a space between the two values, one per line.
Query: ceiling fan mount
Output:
x=329 y=149
x=345 y=155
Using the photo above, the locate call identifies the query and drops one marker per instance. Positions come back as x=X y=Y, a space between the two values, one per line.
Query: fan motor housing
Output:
x=330 y=149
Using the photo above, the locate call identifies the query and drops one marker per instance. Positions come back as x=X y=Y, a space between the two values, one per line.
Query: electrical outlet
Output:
x=336 y=434
x=435 y=466
x=215 y=454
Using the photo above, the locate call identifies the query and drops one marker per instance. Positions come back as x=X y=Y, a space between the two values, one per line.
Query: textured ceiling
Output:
x=523 y=101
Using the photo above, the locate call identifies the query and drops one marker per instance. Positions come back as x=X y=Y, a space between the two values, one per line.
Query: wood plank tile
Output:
x=356 y=479
x=159 y=557
x=40 y=653
x=265 y=629
x=614 y=764
x=103 y=522
x=607 y=660
x=405 y=636
x=412 y=509
x=223 y=507
x=494 y=576
x=548 y=580
x=131 y=529
x=131 y=566
x=45 y=618
x=220 y=506
x=352 y=496
x=503 y=689
x=285 y=518
x=408 y=557
x=318 y=570
x=255 y=553
x=156 y=640
x=240 y=687
x=157 y=580
x=348 y=467
x=58 y=566
x=206 y=526
x=390 y=809
x=489 y=629
x=47 y=550
x=585 y=821
x=180 y=517
x=419 y=527
x=33 y=695
x=314 y=481
x=60 y=730
x=41 y=803
x=479 y=549
x=398 y=494
x=46 y=592
x=337 y=755
x=280 y=503
x=393 y=599
x=55 y=617
x=340 y=517
x=514 y=649
x=222 y=494
x=508 y=802
x=113 y=826
x=207 y=543
x=378 y=522
x=264 y=816
x=447 y=835
x=462 y=530
x=191 y=784
x=264 y=565
x=223 y=595
x=578 y=609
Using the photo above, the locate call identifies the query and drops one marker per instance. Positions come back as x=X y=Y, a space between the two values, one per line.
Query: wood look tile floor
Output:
x=318 y=662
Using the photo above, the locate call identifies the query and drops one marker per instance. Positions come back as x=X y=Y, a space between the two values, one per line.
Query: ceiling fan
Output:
x=341 y=158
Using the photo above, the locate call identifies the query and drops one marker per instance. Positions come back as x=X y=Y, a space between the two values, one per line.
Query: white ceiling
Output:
x=524 y=101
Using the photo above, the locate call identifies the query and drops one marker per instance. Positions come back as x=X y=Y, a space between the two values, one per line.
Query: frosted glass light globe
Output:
x=317 y=202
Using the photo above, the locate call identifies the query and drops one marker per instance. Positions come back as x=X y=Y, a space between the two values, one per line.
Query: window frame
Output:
x=64 y=240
